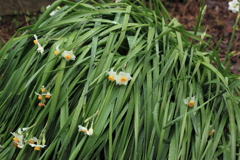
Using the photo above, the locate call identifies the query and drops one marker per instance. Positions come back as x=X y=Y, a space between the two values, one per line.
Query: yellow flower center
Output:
x=31 y=141
x=37 y=148
x=35 y=42
x=43 y=89
x=40 y=97
x=123 y=79
x=111 y=78
x=191 y=104
x=68 y=57
x=211 y=132
x=47 y=96
x=41 y=104
x=15 y=139
x=83 y=130
x=56 y=52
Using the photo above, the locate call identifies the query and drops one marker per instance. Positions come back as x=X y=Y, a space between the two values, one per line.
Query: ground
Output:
x=218 y=22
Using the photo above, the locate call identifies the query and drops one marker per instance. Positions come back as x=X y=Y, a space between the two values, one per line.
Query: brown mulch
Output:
x=218 y=22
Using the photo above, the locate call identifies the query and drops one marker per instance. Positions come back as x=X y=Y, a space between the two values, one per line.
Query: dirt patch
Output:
x=218 y=22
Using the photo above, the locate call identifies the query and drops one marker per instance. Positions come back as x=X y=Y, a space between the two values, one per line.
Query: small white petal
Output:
x=36 y=38
x=186 y=101
x=36 y=145
x=233 y=6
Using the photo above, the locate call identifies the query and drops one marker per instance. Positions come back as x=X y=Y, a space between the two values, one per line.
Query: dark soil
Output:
x=218 y=22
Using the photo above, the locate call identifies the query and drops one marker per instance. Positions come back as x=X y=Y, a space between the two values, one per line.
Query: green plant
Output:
x=145 y=119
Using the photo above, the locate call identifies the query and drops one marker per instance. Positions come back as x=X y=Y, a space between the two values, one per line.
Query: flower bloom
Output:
x=42 y=97
x=123 y=78
x=189 y=101
x=211 y=132
x=43 y=89
x=47 y=95
x=112 y=75
x=57 y=50
x=233 y=6
x=19 y=140
x=68 y=55
x=85 y=130
x=37 y=146
x=41 y=104
x=40 y=48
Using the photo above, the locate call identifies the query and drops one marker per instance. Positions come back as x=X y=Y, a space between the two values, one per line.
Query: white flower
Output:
x=36 y=40
x=40 y=48
x=57 y=50
x=37 y=146
x=112 y=75
x=68 y=55
x=19 y=139
x=233 y=6
x=122 y=78
x=189 y=101
x=85 y=130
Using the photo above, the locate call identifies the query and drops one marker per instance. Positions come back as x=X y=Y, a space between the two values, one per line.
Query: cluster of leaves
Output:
x=146 y=119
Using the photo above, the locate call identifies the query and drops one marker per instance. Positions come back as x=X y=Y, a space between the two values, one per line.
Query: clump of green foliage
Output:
x=145 y=119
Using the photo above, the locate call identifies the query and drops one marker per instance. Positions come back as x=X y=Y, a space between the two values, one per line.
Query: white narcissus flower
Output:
x=68 y=55
x=43 y=89
x=37 y=146
x=233 y=6
x=85 y=130
x=112 y=75
x=57 y=51
x=19 y=139
x=40 y=48
x=189 y=101
x=123 y=78
x=47 y=95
